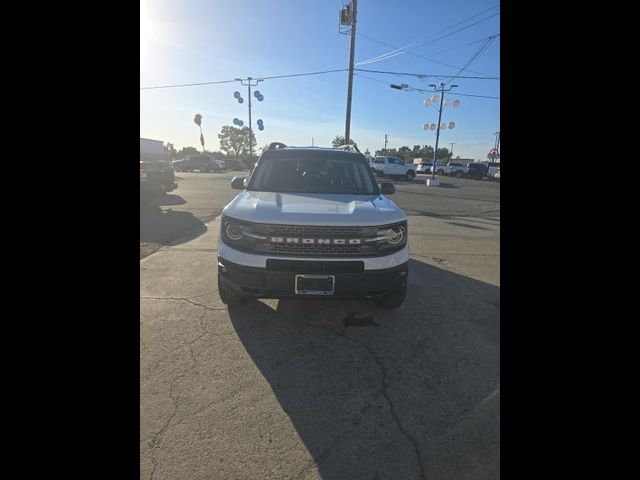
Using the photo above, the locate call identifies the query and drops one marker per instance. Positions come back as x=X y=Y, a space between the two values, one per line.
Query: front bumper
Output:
x=277 y=280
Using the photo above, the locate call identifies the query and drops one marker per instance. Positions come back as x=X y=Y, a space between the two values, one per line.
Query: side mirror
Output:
x=238 y=183
x=387 y=188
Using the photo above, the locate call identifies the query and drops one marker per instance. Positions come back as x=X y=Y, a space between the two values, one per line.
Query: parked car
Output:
x=312 y=223
x=394 y=167
x=156 y=179
x=455 y=169
x=477 y=170
x=202 y=163
x=425 y=168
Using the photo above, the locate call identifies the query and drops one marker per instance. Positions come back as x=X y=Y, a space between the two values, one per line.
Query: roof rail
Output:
x=276 y=145
x=349 y=148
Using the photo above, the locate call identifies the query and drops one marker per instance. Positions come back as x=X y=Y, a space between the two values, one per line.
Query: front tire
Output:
x=395 y=299
x=410 y=175
x=229 y=297
x=458 y=174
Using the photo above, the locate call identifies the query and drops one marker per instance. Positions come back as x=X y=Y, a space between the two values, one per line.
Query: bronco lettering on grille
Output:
x=316 y=241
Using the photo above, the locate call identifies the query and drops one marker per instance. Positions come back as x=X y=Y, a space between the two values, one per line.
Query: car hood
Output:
x=314 y=209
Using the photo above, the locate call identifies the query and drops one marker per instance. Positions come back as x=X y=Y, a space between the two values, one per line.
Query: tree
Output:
x=339 y=141
x=443 y=153
x=235 y=141
x=186 y=151
x=170 y=150
x=427 y=152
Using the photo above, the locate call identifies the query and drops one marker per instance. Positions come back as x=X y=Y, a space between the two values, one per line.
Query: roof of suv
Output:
x=314 y=152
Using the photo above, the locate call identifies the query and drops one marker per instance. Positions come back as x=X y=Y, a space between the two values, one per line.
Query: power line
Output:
x=469 y=18
x=474 y=57
x=423 y=76
x=398 y=51
x=458 y=93
x=412 y=89
x=231 y=81
x=304 y=74
x=467 y=44
x=415 y=55
x=371 y=78
x=187 y=84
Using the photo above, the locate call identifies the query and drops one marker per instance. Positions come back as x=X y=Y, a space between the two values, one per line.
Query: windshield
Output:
x=312 y=175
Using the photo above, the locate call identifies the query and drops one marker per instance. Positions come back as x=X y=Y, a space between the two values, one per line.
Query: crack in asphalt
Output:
x=383 y=387
x=188 y=300
x=383 y=390
x=158 y=437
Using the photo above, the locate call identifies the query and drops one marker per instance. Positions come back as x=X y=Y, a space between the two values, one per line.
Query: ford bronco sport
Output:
x=312 y=223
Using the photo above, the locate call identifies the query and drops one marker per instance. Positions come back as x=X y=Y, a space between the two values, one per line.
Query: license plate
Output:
x=315 y=284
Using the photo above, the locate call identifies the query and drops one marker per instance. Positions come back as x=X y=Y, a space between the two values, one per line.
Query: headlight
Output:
x=395 y=235
x=239 y=233
x=233 y=231
x=391 y=237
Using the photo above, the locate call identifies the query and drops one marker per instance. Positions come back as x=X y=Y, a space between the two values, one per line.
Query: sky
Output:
x=194 y=41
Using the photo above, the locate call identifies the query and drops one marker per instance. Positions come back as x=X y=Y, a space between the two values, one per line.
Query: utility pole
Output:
x=435 y=151
x=385 y=144
x=452 y=144
x=249 y=84
x=347 y=126
x=312 y=141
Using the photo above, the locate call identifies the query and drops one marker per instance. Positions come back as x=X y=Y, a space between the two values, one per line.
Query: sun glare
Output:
x=145 y=31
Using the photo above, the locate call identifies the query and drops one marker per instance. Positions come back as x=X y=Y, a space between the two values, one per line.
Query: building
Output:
x=152 y=150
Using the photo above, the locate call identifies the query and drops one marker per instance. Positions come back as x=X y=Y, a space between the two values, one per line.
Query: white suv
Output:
x=312 y=223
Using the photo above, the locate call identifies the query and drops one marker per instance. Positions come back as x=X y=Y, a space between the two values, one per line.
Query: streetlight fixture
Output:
x=259 y=97
x=432 y=182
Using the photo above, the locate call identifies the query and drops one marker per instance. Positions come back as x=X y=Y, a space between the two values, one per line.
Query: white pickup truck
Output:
x=455 y=169
x=394 y=167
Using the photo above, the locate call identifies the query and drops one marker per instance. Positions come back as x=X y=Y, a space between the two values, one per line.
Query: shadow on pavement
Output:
x=448 y=185
x=476 y=227
x=167 y=227
x=169 y=199
x=407 y=393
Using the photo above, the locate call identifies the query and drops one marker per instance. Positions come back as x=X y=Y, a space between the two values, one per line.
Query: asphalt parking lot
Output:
x=322 y=389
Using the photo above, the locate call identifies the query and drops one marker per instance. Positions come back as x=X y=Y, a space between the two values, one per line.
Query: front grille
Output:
x=312 y=240
x=317 y=249
x=314 y=231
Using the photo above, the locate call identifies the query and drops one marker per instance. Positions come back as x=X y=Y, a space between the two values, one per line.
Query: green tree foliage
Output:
x=186 y=151
x=339 y=141
x=235 y=141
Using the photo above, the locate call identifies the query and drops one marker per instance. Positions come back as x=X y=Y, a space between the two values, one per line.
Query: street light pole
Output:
x=249 y=85
x=435 y=152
